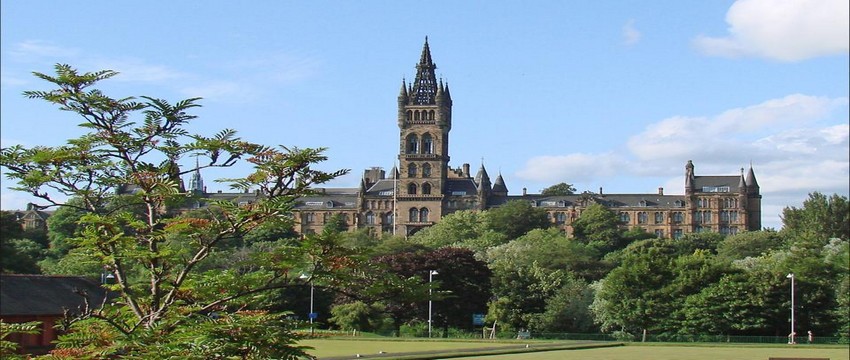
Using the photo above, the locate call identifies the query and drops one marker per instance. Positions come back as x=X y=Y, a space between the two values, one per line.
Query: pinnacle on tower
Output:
x=424 y=87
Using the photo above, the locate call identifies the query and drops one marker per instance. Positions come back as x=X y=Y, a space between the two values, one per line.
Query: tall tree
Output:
x=124 y=173
x=559 y=189
x=818 y=220
x=600 y=227
x=515 y=218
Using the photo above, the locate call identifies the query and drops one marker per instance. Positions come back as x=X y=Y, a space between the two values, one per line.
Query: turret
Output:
x=689 y=178
x=499 y=188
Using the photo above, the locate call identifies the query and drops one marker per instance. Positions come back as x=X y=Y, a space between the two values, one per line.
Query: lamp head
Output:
x=790 y=276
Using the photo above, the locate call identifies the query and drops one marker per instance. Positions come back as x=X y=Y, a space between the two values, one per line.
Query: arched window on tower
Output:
x=426 y=170
x=414 y=214
x=431 y=115
x=427 y=144
x=412 y=144
x=416 y=115
x=411 y=170
x=409 y=115
x=423 y=215
x=426 y=189
x=411 y=189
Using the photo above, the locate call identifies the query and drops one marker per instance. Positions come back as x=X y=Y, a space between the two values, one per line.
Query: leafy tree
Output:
x=820 y=219
x=537 y=275
x=12 y=258
x=749 y=244
x=452 y=229
x=357 y=316
x=461 y=286
x=126 y=178
x=600 y=227
x=559 y=189
x=515 y=218
x=8 y=348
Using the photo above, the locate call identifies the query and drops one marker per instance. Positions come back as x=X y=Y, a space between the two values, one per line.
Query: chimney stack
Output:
x=524 y=191
x=660 y=191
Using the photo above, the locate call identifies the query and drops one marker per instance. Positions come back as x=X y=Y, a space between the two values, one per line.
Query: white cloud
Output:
x=734 y=131
x=576 y=167
x=135 y=70
x=789 y=30
x=40 y=49
x=219 y=90
x=797 y=144
x=631 y=35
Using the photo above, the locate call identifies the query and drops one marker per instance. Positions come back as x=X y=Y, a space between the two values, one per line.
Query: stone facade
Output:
x=423 y=188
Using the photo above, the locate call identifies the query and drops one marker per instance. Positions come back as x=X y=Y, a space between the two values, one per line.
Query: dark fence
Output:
x=616 y=336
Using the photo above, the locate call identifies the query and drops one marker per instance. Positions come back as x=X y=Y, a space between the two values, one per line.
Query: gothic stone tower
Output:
x=424 y=122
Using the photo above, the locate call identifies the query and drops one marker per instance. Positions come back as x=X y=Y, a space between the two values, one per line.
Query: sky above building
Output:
x=617 y=95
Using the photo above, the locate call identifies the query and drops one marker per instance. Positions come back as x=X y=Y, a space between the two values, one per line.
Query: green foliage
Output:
x=749 y=244
x=358 y=316
x=559 y=189
x=516 y=218
x=455 y=228
x=820 y=219
x=599 y=227
x=124 y=180
x=8 y=348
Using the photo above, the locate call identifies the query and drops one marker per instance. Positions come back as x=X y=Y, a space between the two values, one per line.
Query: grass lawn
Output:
x=348 y=348
x=680 y=352
x=343 y=347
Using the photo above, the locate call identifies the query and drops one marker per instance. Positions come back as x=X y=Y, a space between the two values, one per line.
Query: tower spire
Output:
x=425 y=85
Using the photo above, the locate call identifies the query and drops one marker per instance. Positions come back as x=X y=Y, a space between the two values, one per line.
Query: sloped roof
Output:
x=732 y=182
x=46 y=295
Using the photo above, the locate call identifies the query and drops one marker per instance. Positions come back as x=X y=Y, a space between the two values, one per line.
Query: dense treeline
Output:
x=230 y=280
x=602 y=280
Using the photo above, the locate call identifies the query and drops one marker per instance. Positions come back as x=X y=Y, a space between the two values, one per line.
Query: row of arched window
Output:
x=728 y=202
x=413 y=170
x=370 y=218
x=413 y=189
x=417 y=115
x=417 y=145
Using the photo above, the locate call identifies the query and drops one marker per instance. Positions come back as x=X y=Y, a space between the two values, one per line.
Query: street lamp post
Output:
x=430 y=279
x=312 y=314
x=792 y=334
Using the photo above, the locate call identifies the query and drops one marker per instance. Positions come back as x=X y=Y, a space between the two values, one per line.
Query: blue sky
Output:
x=611 y=94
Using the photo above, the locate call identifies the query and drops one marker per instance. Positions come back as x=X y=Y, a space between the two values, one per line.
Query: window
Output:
x=414 y=215
x=643 y=218
x=677 y=233
x=411 y=189
x=370 y=218
x=625 y=218
x=387 y=218
x=411 y=170
x=426 y=170
x=659 y=217
x=427 y=143
x=560 y=217
x=309 y=218
x=712 y=189
x=426 y=189
x=678 y=217
x=412 y=144
x=423 y=215
x=659 y=233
